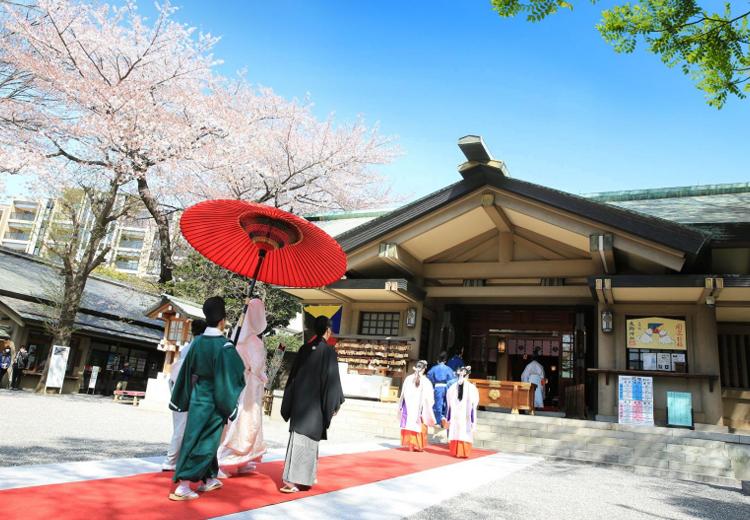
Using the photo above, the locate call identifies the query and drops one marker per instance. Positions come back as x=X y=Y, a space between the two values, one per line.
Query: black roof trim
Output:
x=677 y=236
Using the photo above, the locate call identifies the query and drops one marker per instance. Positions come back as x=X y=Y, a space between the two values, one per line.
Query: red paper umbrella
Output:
x=264 y=243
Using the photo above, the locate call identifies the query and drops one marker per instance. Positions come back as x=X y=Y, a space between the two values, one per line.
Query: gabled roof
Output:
x=188 y=308
x=658 y=230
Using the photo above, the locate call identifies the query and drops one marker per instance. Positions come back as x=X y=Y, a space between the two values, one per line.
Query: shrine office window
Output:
x=380 y=323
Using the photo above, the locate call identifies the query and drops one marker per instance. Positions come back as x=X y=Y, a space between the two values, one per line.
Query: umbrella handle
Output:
x=248 y=296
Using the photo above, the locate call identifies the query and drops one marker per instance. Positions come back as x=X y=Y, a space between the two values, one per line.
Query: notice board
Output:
x=635 y=400
x=680 y=409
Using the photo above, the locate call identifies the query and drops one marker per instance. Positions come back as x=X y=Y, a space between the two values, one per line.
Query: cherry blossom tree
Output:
x=117 y=93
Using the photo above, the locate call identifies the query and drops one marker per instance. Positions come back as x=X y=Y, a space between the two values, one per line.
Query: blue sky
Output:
x=551 y=99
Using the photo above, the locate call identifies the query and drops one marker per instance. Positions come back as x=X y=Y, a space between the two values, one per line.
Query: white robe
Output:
x=415 y=406
x=462 y=415
x=534 y=373
x=242 y=441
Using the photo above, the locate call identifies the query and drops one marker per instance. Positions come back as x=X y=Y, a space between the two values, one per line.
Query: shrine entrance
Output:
x=501 y=342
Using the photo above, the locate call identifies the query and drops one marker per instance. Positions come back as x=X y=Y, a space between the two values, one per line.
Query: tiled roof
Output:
x=29 y=281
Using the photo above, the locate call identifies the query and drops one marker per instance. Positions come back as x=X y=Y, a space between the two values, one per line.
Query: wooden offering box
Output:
x=506 y=394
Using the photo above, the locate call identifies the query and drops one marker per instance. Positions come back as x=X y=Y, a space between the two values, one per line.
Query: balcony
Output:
x=130 y=244
x=126 y=265
x=22 y=215
x=17 y=236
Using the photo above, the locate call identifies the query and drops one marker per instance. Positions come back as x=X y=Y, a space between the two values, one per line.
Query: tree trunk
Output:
x=63 y=327
x=162 y=225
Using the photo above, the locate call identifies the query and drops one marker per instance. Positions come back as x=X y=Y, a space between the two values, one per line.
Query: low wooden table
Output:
x=506 y=394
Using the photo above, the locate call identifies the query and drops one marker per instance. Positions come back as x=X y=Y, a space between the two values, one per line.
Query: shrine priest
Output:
x=243 y=445
x=534 y=373
x=461 y=415
x=207 y=387
x=415 y=409
x=312 y=396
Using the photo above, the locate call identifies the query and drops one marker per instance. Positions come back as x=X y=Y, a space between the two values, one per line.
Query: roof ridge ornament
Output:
x=477 y=154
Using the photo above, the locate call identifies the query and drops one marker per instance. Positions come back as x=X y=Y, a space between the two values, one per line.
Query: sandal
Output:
x=187 y=496
x=289 y=489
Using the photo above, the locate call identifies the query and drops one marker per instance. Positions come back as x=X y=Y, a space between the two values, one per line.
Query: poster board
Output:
x=656 y=333
x=94 y=375
x=58 y=363
x=680 y=409
x=635 y=400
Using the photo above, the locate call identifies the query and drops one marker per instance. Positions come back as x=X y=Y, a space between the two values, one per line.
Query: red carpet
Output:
x=145 y=496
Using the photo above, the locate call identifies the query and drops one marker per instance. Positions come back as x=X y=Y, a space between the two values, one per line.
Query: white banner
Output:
x=58 y=363
x=94 y=375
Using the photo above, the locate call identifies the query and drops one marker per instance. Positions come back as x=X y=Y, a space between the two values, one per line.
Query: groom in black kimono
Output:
x=312 y=396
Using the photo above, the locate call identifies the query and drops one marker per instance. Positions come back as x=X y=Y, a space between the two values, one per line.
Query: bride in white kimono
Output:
x=534 y=373
x=463 y=400
x=242 y=445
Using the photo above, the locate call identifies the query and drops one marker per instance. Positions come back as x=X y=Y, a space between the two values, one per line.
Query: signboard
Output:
x=664 y=361
x=58 y=363
x=680 y=409
x=656 y=333
x=635 y=400
x=94 y=374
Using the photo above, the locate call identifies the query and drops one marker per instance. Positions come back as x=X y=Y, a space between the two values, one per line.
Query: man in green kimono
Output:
x=208 y=386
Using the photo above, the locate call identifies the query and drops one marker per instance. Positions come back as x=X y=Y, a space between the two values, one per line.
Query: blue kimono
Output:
x=440 y=375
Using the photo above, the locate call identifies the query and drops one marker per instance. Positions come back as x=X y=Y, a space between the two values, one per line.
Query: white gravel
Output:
x=562 y=490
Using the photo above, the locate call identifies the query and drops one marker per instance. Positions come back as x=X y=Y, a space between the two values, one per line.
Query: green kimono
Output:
x=208 y=386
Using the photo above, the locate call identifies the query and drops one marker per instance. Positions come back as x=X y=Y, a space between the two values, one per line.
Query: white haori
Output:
x=415 y=406
x=534 y=373
x=243 y=438
x=462 y=414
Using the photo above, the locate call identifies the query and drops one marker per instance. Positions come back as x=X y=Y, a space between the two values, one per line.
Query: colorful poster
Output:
x=635 y=400
x=313 y=311
x=656 y=333
x=57 y=365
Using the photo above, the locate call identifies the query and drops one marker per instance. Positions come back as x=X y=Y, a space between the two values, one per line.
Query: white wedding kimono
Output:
x=534 y=373
x=415 y=406
x=462 y=414
x=242 y=441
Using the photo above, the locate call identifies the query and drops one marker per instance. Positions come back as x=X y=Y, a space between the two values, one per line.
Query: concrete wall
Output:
x=702 y=358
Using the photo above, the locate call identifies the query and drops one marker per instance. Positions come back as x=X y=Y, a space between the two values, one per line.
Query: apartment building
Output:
x=133 y=241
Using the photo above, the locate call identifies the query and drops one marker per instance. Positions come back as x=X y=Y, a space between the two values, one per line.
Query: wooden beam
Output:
x=599 y=286
x=335 y=294
x=505 y=247
x=451 y=253
x=399 y=258
x=536 y=268
x=601 y=247
x=608 y=294
x=497 y=215
x=706 y=292
x=527 y=291
x=537 y=248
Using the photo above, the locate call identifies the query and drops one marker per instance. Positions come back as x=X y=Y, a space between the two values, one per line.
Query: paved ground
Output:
x=47 y=429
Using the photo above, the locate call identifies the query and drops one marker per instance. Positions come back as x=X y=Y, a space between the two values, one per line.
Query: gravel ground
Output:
x=37 y=429
x=562 y=490
x=46 y=429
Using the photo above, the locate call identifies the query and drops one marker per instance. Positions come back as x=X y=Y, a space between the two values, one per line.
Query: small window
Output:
x=175 y=330
x=380 y=323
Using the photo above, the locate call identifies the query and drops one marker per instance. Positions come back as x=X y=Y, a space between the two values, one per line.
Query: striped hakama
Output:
x=301 y=463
